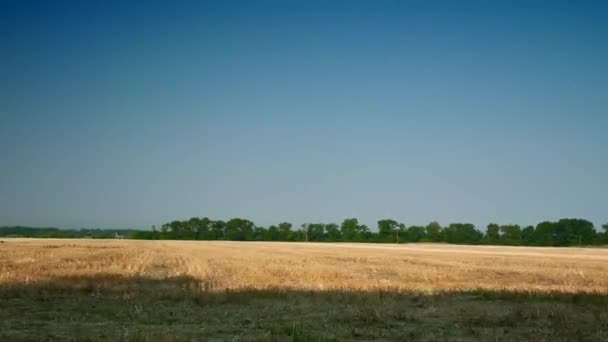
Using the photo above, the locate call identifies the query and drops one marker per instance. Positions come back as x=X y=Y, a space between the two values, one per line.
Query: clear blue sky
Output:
x=133 y=113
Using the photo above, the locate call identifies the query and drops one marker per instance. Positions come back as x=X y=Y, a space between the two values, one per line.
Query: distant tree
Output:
x=192 y=228
x=544 y=234
x=176 y=226
x=510 y=234
x=527 y=235
x=177 y=230
x=579 y=231
x=273 y=234
x=416 y=233
x=154 y=234
x=304 y=229
x=350 y=229
x=164 y=228
x=387 y=230
x=218 y=230
x=492 y=233
x=205 y=229
x=565 y=232
x=260 y=234
x=285 y=231
x=316 y=231
x=239 y=229
x=462 y=233
x=363 y=233
x=601 y=238
x=142 y=235
x=402 y=233
x=333 y=232
x=299 y=234
x=434 y=231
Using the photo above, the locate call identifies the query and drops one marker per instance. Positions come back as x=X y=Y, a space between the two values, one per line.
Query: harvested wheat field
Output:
x=189 y=290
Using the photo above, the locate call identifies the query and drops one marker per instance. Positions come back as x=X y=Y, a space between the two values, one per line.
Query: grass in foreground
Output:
x=109 y=307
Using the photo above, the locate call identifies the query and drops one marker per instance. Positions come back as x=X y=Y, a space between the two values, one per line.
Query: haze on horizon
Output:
x=127 y=114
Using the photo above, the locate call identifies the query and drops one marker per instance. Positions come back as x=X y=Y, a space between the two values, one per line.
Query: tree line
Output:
x=38 y=232
x=565 y=232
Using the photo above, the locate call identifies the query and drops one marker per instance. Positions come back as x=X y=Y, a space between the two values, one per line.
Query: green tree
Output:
x=193 y=229
x=316 y=231
x=333 y=232
x=299 y=234
x=462 y=233
x=416 y=234
x=164 y=228
x=285 y=232
x=492 y=233
x=204 y=229
x=510 y=234
x=387 y=230
x=579 y=231
x=218 y=230
x=239 y=229
x=434 y=231
x=402 y=233
x=350 y=229
x=178 y=230
x=527 y=235
x=544 y=234
x=363 y=233
x=565 y=232
x=273 y=234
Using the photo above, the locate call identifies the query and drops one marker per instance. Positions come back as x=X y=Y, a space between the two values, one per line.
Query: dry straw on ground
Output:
x=189 y=290
x=309 y=266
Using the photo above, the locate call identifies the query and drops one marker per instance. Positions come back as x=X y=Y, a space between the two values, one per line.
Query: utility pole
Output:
x=397 y=235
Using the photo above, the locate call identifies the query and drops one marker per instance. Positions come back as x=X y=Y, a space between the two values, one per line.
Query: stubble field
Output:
x=185 y=290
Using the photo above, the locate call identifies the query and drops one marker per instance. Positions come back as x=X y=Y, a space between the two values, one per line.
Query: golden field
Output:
x=312 y=266
x=184 y=290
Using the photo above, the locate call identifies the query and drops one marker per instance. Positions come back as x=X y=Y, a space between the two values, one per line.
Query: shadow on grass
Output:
x=114 y=307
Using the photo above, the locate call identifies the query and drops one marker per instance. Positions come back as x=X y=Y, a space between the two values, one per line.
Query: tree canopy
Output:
x=564 y=232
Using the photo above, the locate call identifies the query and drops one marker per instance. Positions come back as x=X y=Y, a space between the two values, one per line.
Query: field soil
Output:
x=52 y=289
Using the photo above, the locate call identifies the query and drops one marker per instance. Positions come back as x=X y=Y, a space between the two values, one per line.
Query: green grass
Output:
x=115 y=308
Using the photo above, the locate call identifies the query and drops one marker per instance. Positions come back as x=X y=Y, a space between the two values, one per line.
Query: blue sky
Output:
x=131 y=113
